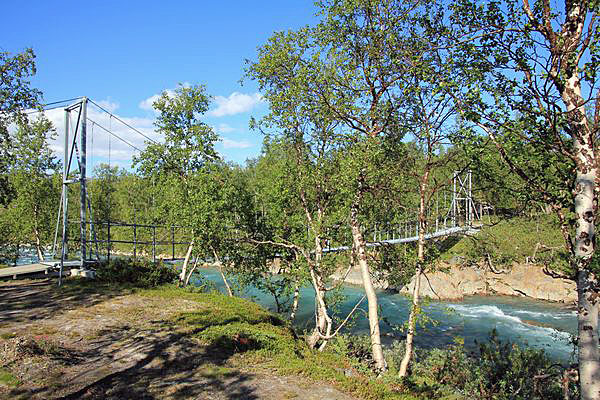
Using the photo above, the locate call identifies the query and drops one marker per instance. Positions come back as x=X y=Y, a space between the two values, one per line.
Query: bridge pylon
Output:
x=462 y=199
x=71 y=148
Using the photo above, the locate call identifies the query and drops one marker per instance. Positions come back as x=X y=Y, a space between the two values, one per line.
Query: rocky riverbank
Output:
x=453 y=282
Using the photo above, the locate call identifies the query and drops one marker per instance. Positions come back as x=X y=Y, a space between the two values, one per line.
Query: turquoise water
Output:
x=519 y=320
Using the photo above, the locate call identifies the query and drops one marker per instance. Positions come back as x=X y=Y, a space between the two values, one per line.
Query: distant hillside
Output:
x=535 y=239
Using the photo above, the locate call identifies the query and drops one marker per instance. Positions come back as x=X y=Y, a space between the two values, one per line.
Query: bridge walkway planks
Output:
x=44 y=267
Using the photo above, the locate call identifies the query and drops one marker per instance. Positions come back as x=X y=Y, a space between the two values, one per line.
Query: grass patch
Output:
x=245 y=333
x=513 y=240
x=7 y=335
x=215 y=371
x=7 y=379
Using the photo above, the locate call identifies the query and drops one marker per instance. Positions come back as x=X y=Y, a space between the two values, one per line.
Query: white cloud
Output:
x=236 y=103
x=223 y=128
x=233 y=144
x=108 y=105
x=147 y=103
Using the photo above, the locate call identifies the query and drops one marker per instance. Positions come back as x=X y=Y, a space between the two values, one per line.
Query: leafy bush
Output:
x=498 y=371
x=138 y=273
x=501 y=371
x=507 y=371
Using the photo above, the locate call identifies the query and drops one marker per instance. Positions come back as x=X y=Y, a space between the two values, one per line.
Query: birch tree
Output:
x=16 y=96
x=31 y=211
x=188 y=148
x=428 y=114
x=351 y=72
x=305 y=206
x=533 y=68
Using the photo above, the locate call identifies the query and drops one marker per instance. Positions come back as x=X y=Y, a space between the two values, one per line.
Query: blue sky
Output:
x=121 y=53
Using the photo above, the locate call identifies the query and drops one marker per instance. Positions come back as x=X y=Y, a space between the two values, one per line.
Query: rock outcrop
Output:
x=456 y=281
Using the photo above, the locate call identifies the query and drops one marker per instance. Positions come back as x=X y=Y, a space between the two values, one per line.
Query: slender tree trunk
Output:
x=412 y=319
x=411 y=326
x=361 y=255
x=229 y=291
x=38 y=244
x=220 y=266
x=587 y=345
x=587 y=285
x=36 y=233
x=183 y=273
x=295 y=302
x=323 y=321
x=586 y=203
x=189 y=275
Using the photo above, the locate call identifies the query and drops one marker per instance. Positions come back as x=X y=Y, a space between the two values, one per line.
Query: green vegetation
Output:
x=371 y=110
x=536 y=239
x=231 y=326
x=137 y=273
x=7 y=379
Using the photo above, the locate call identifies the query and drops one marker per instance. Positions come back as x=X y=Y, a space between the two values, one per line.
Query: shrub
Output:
x=501 y=371
x=507 y=371
x=498 y=371
x=138 y=273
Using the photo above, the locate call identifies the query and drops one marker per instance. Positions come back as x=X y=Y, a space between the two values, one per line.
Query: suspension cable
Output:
x=123 y=122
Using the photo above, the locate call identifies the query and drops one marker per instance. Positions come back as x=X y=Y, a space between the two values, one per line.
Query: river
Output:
x=523 y=321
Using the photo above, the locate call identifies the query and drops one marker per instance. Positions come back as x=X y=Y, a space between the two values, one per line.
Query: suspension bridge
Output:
x=460 y=214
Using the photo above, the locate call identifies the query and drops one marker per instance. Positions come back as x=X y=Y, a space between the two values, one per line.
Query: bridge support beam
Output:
x=83 y=180
x=70 y=148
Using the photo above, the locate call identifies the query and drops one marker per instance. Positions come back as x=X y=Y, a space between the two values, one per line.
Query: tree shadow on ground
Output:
x=31 y=300
x=150 y=364
x=170 y=366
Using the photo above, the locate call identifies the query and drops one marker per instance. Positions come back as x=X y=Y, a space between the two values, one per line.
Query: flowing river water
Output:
x=534 y=323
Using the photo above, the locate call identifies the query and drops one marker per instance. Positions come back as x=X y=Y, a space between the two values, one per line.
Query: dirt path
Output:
x=81 y=343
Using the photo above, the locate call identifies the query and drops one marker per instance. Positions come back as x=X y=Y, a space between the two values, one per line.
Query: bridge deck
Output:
x=440 y=233
x=44 y=266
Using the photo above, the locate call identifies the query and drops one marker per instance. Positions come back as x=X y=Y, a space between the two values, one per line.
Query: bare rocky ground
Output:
x=80 y=343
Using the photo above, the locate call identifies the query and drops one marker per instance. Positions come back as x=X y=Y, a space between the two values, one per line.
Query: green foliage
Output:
x=507 y=371
x=16 y=96
x=514 y=239
x=8 y=379
x=28 y=220
x=497 y=371
x=230 y=326
x=175 y=167
x=189 y=142
x=137 y=273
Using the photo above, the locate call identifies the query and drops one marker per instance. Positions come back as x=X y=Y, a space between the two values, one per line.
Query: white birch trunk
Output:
x=220 y=266
x=584 y=243
x=36 y=233
x=189 y=275
x=38 y=245
x=587 y=296
x=186 y=261
x=295 y=302
x=373 y=312
x=414 y=311
x=323 y=322
x=412 y=319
